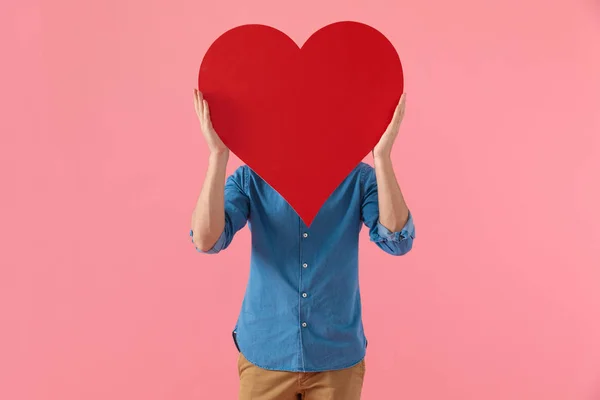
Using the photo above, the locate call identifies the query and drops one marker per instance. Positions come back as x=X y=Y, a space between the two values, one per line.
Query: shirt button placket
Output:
x=304 y=265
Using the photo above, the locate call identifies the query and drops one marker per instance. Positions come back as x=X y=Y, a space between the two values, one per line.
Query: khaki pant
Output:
x=260 y=384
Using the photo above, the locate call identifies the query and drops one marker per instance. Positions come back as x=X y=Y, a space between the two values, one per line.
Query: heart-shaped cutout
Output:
x=302 y=118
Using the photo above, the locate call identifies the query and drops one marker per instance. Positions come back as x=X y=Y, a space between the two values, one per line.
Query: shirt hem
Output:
x=352 y=364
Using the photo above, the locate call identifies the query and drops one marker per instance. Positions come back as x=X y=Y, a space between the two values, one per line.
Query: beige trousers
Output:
x=260 y=384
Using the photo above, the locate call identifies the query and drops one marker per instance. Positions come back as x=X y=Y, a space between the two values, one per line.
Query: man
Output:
x=299 y=332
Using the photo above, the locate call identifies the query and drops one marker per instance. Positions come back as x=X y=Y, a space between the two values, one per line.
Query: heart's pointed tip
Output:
x=306 y=219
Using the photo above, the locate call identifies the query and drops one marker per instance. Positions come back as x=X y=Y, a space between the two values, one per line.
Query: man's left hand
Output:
x=384 y=146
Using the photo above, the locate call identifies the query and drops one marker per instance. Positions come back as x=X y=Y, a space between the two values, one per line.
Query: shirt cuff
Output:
x=382 y=233
x=216 y=247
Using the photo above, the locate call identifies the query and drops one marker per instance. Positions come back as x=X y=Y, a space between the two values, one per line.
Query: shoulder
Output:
x=246 y=178
x=366 y=172
x=240 y=173
x=364 y=167
x=240 y=177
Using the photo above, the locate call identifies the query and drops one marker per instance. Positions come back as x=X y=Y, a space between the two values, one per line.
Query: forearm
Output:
x=208 y=218
x=393 y=211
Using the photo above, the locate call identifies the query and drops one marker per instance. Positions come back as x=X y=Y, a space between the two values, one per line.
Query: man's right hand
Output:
x=215 y=144
x=208 y=218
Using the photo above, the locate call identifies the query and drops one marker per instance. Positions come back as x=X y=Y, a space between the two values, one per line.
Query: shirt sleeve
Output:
x=237 y=209
x=395 y=243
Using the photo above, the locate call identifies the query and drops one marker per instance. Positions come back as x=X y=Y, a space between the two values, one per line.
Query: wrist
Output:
x=219 y=156
x=381 y=158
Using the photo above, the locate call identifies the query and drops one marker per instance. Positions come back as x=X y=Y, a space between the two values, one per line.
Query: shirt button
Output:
x=305 y=265
x=305 y=235
x=304 y=295
x=304 y=324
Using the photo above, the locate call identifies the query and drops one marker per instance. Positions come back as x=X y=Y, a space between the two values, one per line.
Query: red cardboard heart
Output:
x=302 y=118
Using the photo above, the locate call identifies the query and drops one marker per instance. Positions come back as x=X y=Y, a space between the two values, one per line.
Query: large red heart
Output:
x=302 y=118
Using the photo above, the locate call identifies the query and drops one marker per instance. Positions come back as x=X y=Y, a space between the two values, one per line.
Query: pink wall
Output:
x=103 y=297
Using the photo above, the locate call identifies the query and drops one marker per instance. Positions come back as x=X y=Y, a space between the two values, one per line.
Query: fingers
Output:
x=200 y=103
x=402 y=99
x=206 y=109
x=202 y=109
x=206 y=114
x=401 y=105
x=399 y=111
x=395 y=119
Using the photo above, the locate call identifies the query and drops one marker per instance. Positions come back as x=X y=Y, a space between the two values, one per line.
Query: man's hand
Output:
x=208 y=218
x=215 y=144
x=393 y=211
x=384 y=147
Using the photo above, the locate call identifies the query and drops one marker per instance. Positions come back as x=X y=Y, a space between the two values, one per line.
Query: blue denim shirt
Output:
x=302 y=309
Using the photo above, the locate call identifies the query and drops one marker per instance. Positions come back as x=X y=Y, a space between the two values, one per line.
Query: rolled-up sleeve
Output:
x=237 y=210
x=395 y=243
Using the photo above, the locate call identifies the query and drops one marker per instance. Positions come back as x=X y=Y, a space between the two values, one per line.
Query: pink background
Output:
x=102 y=296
